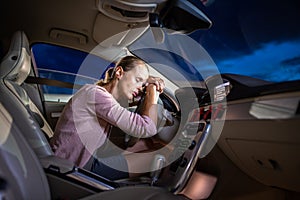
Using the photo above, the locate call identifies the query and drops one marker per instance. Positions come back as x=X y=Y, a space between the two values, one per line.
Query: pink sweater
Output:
x=85 y=122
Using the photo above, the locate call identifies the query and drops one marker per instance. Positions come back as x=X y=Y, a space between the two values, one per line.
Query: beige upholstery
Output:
x=24 y=148
x=15 y=68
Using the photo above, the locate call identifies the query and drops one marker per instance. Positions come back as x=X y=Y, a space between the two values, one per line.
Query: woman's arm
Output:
x=149 y=107
x=108 y=109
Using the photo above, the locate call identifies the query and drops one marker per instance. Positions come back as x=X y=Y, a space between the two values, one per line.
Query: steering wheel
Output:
x=167 y=126
x=165 y=119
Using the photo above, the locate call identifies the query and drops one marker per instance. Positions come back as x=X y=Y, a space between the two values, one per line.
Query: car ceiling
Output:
x=77 y=24
x=77 y=16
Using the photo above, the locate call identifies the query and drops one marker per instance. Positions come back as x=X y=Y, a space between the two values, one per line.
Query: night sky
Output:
x=255 y=38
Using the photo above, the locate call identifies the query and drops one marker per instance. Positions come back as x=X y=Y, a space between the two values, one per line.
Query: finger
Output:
x=161 y=85
x=158 y=85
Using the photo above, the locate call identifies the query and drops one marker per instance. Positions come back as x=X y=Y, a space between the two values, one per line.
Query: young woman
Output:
x=87 y=118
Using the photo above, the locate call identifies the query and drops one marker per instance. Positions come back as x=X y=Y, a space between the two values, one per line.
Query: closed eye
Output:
x=139 y=80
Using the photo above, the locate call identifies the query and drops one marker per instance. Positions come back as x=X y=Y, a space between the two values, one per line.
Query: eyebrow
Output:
x=140 y=79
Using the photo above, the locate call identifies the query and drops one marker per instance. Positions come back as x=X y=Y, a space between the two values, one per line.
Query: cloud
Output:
x=272 y=62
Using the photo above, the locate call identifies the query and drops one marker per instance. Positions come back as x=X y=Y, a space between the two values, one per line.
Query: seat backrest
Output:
x=20 y=170
x=14 y=69
x=24 y=148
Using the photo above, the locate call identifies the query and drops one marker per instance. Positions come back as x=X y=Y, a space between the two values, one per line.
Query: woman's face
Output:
x=132 y=81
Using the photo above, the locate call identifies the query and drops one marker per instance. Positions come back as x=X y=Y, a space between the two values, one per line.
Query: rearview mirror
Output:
x=181 y=16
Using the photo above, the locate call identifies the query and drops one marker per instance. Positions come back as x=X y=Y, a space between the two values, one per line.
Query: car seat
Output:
x=29 y=169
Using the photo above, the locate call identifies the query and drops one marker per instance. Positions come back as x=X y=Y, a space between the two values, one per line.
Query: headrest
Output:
x=16 y=65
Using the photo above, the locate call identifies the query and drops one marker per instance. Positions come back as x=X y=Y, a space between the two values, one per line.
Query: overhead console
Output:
x=178 y=15
x=130 y=10
x=126 y=20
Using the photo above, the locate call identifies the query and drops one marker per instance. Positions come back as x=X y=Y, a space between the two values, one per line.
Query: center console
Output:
x=187 y=148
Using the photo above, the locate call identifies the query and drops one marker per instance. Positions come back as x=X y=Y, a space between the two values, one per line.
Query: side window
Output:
x=63 y=70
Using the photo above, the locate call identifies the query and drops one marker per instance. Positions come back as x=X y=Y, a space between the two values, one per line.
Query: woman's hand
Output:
x=154 y=87
x=152 y=93
x=158 y=82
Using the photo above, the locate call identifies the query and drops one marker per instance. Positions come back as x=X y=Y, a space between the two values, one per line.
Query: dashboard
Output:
x=194 y=134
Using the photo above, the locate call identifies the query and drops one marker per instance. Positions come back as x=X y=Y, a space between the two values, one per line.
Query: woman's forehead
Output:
x=141 y=71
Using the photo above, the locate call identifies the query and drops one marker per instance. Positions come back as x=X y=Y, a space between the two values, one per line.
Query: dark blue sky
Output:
x=256 y=38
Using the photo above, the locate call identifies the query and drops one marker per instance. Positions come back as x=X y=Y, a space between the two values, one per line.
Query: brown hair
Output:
x=127 y=63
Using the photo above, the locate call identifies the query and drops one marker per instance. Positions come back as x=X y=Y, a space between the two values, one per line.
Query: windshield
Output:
x=260 y=39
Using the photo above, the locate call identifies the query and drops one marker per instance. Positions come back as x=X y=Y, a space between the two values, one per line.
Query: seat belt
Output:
x=51 y=82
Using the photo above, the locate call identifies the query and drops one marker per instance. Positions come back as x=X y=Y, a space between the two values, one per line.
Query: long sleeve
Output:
x=108 y=109
x=85 y=123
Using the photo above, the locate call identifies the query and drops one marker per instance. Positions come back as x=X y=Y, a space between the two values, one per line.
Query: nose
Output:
x=141 y=87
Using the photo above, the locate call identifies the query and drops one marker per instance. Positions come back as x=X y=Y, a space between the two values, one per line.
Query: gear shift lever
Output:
x=157 y=165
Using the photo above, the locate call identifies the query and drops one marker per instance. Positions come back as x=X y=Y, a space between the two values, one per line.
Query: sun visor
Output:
x=109 y=32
